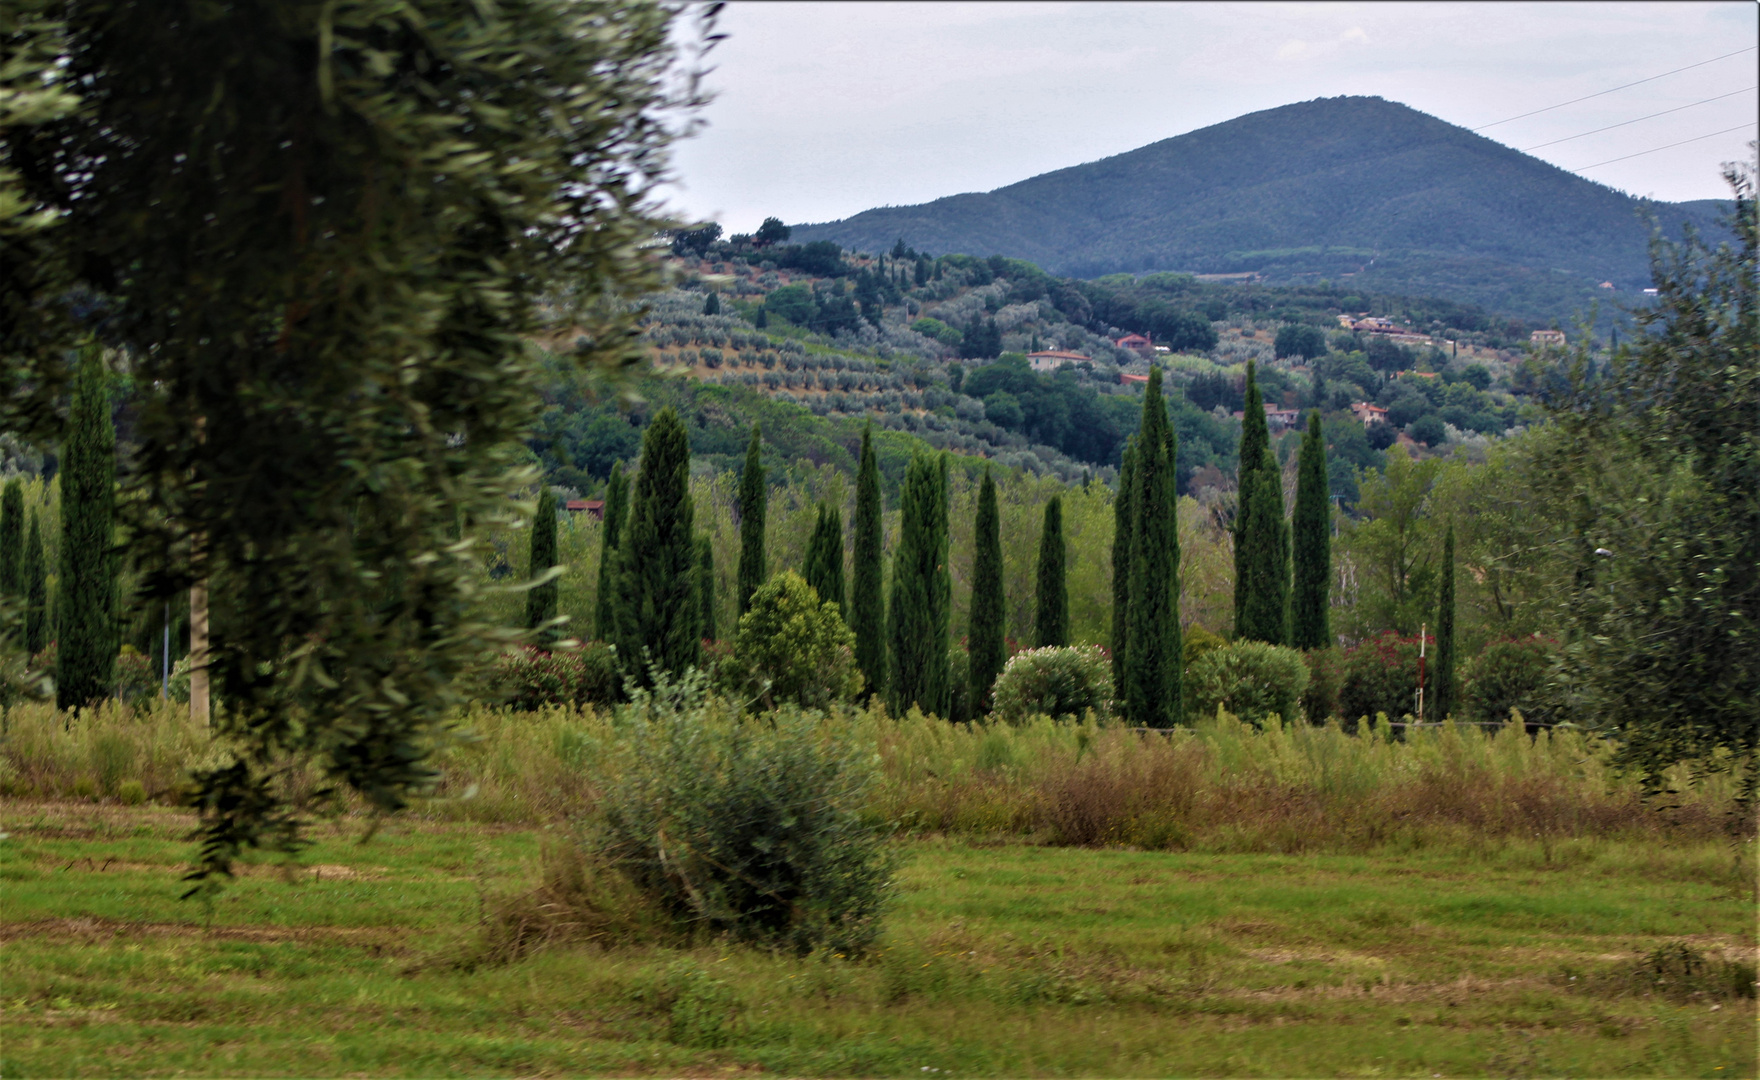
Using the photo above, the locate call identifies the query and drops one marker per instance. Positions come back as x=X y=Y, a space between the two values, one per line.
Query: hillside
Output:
x=1350 y=188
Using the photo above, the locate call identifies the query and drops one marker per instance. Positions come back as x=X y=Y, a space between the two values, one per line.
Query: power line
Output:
x=1652 y=116
x=1670 y=146
x=1652 y=78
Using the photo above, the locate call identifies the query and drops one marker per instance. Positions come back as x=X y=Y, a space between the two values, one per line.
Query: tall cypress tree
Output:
x=541 y=599
x=1152 y=691
x=706 y=584
x=1123 y=521
x=917 y=613
x=824 y=565
x=1262 y=553
x=1443 y=696
x=1255 y=439
x=985 y=643
x=605 y=602
x=12 y=539
x=867 y=603
x=1051 y=627
x=658 y=611
x=36 y=589
x=752 y=500
x=86 y=607
x=1311 y=535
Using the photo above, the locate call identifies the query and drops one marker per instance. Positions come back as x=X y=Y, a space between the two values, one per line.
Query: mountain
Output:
x=1353 y=188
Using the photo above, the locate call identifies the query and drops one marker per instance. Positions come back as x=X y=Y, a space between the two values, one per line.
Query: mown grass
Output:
x=1509 y=958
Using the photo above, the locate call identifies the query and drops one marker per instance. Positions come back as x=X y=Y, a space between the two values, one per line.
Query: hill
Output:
x=1355 y=189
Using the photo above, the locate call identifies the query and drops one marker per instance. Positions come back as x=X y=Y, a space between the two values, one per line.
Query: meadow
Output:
x=1075 y=899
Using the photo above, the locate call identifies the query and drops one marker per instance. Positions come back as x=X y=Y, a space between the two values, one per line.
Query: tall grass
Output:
x=1219 y=786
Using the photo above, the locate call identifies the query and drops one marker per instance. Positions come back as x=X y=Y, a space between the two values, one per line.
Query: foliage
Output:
x=1057 y=409
x=541 y=558
x=1151 y=691
x=1310 y=609
x=753 y=498
x=85 y=609
x=1296 y=339
x=706 y=585
x=1442 y=691
x=986 y=650
x=752 y=827
x=1255 y=441
x=1123 y=569
x=792 y=646
x=1516 y=674
x=823 y=569
x=616 y=511
x=1325 y=681
x=1051 y=622
x=917 y=615
x=36 y=589
x=321 y=441
x=1066 y=681
x=1252 y=680
x=12 y=539
x=867 y=604
x=1390 y=546
x=1379 y=676
x=1263 y=557
x=530 y=678
x=659 y=620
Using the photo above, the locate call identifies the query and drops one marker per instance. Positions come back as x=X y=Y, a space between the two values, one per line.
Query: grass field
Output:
x=1573 y=957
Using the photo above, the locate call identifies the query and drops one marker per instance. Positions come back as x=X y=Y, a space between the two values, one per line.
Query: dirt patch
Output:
x=96 y=930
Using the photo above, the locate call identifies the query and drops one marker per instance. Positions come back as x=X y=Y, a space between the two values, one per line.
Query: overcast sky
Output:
x=825 y=110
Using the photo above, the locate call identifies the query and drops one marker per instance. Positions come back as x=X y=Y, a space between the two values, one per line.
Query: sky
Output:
x=824 y=110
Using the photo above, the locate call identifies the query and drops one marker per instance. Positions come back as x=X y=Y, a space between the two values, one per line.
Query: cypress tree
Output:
x=36 y=590
x=985 y=643
x=752 y=500
x=1255 y=439
x=763 y=319
x=1052 y=623
x=1123 y=520
x=541 y=599
x=657 y=600
x=12 y=539
x=85 y=609
x=706 y=584
x=867 y=605
x=1311 y=534
x=917 y=614
x=1443 y=696
x=1262 y=553
x=712 y=305
x=824 y=567
x=605 y=602
x=1153 y=675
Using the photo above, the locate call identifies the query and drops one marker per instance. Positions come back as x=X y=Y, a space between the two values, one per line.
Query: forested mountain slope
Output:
x=1355 y=188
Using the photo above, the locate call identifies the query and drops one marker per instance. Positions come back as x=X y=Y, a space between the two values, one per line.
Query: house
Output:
x=1136 y=343
x=1126 y=380
x=1607 y=285
x=1546 y=337
x=1052 y=359
x=1368 y=414
x=595 y=507
x=1276 y=419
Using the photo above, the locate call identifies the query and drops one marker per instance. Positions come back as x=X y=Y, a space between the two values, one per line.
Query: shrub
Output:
x=752 y=826
x=532 y=677
x=1199 y=641
x=1517 y=675
x=1320 y=699
x=136 y=680
x=1250 y=679
x=1066 y=681
x=791 y=647
x=1380 y=676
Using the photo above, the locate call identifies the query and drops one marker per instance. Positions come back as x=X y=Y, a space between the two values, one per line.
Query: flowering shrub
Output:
x=1380 y=676
x=137 y=681
x=1250 y=679
x=1514 y=674
x=1065 y=681
x=532 y=677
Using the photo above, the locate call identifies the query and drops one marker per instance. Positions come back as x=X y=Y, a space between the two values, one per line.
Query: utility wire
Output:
x=1670 y=146
x=1652 y=116
x=1652 y=78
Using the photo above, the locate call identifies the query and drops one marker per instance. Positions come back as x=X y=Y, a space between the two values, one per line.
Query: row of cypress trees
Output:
x=1147 y=664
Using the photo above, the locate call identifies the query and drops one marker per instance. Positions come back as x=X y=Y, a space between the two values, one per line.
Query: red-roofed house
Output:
x=595 y=507
x=1368 y=414
x=1136 y=343
x=1052 y=359
x=1126 y=380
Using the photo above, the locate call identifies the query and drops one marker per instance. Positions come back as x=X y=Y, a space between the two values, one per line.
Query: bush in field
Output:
x=1250 y=679
x=1513 y=675
x=136 y=680
x=532 y=678
x=798 y=645
x=1320 y=699
x=1379 y=676
x=1055 y=682
x=750 y=826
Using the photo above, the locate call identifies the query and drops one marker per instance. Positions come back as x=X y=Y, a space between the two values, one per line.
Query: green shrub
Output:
x=137 y=681
x=533 y=677
x=1055 y=682
x=792 y=648
x=750 y=826
x=1325 y=679
x=1199 y=641
x=1379 y=676
x=1517 y=675
x=1250 y=679
x=959 y=674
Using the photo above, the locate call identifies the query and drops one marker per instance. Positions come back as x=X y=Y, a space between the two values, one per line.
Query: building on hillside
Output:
x=1546 y=337
x=1052 y=359
x=1276 y=418
x=1127 y=380
x=1137 y=343
x=1368 y=414
x=595 y=508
